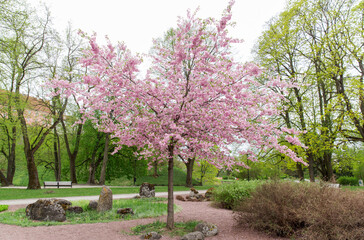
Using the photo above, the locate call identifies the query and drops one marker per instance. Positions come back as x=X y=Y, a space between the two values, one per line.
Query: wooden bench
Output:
x=57 y=184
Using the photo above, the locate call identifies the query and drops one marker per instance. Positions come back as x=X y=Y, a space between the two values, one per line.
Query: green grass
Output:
x=354 y=188
x=10 y=194
x=143 y=208
x=180 y=228
x=3 y=208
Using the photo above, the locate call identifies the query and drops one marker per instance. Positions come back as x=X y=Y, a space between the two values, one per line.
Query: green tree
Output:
x=306 y=44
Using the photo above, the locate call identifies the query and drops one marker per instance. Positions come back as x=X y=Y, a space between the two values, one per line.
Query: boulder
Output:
x=63 y=202
x=46 y=210
x=124 y=211
x=75 y=209
x=193 y=192
x=92 y=205
x=193 y=236
x=200 y=197
x=151 y=235
x=207 y=229
x=105 y=200
x=147 y=190
x=208 y=194
x=181 y=198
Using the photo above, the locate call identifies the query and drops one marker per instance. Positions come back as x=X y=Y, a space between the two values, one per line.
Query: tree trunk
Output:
x=189 y=166
x=11 y=158
x=72 y=155
x=327 y=167
x=105 y=159
x=300 y=171
x=32 y=171
x=33 y=182
x=310 y=167
x=57 y=155
x=170 y=211
x=3 y=180
x=73 y=175
x=92 y=169
x=93 y=163
x=93 y=166
x=155 y=165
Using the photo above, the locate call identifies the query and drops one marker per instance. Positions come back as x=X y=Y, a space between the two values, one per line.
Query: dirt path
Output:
x=116 y=230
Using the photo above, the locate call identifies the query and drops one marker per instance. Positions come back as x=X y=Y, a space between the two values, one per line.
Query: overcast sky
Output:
x=137 y=22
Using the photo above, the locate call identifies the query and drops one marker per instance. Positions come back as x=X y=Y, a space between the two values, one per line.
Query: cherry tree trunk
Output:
x=155 y=167
x=170 y=211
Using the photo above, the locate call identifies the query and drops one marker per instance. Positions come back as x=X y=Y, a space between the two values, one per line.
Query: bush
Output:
x=3 y=208
x=348 y=181
x=304 y=211
x=228 y=195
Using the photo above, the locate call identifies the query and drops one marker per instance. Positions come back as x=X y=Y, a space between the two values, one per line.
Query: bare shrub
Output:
x=304 y=211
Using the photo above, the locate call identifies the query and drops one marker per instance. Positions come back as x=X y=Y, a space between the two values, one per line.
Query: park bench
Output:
x=57 y=184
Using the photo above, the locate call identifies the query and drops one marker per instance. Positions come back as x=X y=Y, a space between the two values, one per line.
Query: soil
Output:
x=228 y=230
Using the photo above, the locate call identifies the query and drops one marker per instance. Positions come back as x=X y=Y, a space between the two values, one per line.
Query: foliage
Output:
x=230 y=194
x=348 y=181
x=204 y=172
x=143 y=208
x=317 y=44
x=304 y=211
x=3 y=208
x=180 y=229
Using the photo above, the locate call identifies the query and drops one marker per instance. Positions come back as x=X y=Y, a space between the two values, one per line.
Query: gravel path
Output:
x=117 y=230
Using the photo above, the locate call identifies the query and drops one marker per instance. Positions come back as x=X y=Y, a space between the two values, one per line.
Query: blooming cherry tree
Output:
x=194 y=102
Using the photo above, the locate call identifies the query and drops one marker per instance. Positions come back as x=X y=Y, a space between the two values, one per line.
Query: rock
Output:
x=200 y=197
x=151 y=235
x=193 y=236
x=208 y=194
x=46 y=210
x=207 y=229
x=75 y=209
x=105 y=200
x=124 y=211
x=193 y=192
x=147 y=190
x=181 y=198
x=63 y=202
x=92 y=205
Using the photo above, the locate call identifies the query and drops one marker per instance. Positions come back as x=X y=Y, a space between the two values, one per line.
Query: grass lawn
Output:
x=355 y=188
x=180 y=228
x=10 y=193
x=143 y=208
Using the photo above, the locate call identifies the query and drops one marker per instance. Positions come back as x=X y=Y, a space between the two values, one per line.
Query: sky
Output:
x=138 y=22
